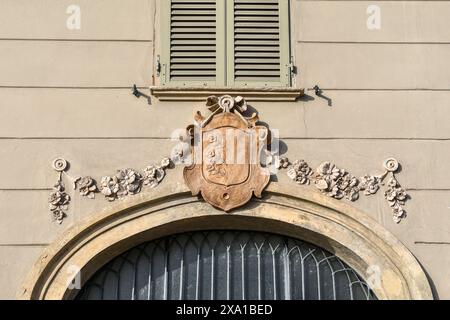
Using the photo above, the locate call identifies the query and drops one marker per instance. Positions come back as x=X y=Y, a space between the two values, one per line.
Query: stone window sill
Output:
x=201 y=93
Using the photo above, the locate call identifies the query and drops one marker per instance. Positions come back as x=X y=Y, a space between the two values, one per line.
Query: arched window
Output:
x=224 y=265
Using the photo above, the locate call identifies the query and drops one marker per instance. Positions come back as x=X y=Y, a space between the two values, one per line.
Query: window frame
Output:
x=301 y=255
x=225 y=54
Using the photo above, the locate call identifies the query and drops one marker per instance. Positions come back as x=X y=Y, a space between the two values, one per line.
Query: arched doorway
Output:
x=336 y=227
x=226 y=265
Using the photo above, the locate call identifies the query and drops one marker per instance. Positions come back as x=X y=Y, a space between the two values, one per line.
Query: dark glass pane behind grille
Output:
x=226 y=265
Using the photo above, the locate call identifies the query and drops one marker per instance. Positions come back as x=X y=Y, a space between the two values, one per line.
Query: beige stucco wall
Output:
x=66 y=93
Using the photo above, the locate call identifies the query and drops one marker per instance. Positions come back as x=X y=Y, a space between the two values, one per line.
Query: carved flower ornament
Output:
x=130 y=182
x=87 y=187
x=338 y=183
x=369 y=184
x=154 y=174
x=299 y=171
x=396 y=197
x=58 y=202
x=110 y=186
x=124 y=183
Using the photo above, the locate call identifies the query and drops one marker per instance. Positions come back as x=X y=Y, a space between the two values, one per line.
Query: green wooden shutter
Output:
x=225 y=42
x=190 y=54
x=258 y=43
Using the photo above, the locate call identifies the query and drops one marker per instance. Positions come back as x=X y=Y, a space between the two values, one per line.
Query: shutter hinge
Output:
x=158 y=65
x=292 y=69
x=162 y=73
x=161 y=70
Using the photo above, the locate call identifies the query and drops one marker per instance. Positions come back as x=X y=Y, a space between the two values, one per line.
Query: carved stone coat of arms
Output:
x=226 y=168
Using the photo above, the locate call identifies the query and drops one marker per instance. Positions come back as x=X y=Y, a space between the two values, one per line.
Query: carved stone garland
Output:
x=338 y=183
x=125 y=182
x=327 y=178
x=59 y=199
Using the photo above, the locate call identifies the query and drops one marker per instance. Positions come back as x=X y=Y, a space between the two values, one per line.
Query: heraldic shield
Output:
x=226 y=168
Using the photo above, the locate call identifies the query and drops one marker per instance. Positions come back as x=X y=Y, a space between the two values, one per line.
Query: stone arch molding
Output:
x=307 y=215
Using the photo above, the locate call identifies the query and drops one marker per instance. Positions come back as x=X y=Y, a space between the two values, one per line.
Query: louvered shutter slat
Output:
x=193 y=40
x=256 y=41
x=255 y=54
x=254 y=61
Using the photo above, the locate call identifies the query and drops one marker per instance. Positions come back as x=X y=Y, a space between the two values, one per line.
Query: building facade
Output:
x=345 y=102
